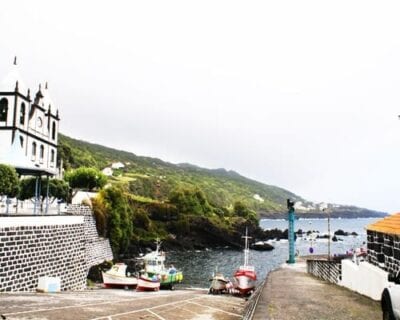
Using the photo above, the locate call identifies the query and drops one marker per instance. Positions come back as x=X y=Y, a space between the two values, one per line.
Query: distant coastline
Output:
x=322 y=215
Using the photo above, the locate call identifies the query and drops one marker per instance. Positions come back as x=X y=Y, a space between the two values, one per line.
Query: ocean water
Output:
x=198 y=266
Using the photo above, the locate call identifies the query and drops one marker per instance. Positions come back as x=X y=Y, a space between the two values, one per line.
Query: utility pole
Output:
x=325 y=207
x=291 y=218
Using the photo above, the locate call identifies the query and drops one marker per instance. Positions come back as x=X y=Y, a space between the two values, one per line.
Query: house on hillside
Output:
x=117 y=165
x=107 y=171
x=384 y=243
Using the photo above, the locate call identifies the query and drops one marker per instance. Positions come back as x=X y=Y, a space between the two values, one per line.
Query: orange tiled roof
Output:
x=388 y=225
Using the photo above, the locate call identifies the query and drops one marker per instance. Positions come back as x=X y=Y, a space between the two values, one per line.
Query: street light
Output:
x=291 y=218
x=325 y=208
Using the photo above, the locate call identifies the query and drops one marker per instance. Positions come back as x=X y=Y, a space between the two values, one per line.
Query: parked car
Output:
x=390 y=301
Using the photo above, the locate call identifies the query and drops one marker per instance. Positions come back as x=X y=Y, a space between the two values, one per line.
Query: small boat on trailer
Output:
x=118 y=276
x=219 y=284
x=245 y=277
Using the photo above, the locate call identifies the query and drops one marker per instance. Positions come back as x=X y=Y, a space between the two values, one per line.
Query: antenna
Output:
x=246 y=249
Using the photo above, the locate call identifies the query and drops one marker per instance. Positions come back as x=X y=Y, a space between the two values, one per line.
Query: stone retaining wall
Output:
x=55 y=246
x=327 y=270
x=384 y=251
x=97 y=249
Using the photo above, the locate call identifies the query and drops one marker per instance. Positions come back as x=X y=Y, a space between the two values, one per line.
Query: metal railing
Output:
x=251 y=305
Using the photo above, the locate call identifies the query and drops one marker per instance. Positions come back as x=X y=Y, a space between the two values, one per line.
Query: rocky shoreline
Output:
x=323 y=215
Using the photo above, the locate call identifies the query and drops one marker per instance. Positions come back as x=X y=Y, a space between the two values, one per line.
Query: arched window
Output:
x=3 y=109
x=33 y=149
x=41 y=154
x=52 y=156
x=53 y=131
x=22 y=114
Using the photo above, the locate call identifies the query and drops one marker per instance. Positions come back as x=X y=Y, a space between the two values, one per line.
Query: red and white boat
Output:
x=147 y=283
x=118 y=276
x=245 y=277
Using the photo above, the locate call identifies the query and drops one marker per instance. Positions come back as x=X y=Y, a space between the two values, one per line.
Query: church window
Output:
x=3 y=109
x=21 y=140
x=41 y=154
x=22 y=114
x=34 y=149
x=53 y=131
x=52 y=156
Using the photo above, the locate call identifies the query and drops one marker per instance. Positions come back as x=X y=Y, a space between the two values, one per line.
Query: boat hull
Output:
x=217 y=285
x=169 y=279
x=244 y=281
x=111 y=281
x=148 y=284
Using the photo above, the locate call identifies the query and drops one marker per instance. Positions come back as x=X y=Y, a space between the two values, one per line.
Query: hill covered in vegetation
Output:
x=154 y=179
x=186 y=206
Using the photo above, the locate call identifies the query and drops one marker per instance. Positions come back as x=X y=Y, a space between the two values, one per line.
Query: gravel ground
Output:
x=291 y=293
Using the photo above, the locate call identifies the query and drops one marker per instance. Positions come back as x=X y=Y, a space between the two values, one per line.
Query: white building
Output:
x=117 y=165
x=107 y=171
x=34 y=120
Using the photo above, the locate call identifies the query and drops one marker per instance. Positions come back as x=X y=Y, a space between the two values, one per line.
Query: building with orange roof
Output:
x=384 y=243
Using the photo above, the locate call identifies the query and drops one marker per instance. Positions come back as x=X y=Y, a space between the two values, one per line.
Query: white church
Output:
x=29 y=126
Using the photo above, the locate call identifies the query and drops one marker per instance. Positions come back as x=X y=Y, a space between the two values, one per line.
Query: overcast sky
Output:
x=304 y=95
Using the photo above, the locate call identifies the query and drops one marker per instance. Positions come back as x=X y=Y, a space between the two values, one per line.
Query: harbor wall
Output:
x=327 y=270
x=64 y=246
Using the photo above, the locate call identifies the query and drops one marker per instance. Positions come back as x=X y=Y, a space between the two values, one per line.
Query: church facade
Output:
x=30 y=122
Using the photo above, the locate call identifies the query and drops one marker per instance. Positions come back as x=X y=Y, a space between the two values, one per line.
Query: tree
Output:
x=86 y=178
x=114 y=203
x=190 y=201
x=58 y=189
x=241 y=210
x=9 y=185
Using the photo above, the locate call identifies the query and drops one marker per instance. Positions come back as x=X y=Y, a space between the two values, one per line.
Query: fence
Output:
x=251 y=305
x=330 y=271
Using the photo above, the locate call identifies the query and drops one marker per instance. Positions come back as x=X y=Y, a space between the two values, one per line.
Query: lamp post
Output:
x=291 y=218
x=325 y=208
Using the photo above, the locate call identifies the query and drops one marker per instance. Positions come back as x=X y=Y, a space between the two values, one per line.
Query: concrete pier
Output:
x=290 y=293
x=112 y=304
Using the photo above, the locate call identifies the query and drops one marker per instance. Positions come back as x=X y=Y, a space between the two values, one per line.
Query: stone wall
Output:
x=384 y=251
x=57 y=246
x=327 y=270
x=97 y=249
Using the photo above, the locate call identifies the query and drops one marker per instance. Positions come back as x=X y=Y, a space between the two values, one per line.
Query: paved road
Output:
x=121 y=304
x=291 y=293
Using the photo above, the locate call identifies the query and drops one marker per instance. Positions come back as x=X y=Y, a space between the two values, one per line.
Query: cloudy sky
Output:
x=300 y=94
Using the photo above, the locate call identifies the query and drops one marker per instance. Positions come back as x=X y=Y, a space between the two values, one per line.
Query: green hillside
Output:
x=186 y=206
x=152 y=178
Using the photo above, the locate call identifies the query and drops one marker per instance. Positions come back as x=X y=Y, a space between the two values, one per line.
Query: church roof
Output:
x=15 y=157
x=9 y=82
x=388 y=225
x=47 y=101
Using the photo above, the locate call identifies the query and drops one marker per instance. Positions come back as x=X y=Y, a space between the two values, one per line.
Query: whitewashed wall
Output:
x=364 y=278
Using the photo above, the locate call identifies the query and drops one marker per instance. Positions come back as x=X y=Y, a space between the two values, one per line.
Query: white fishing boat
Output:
x=245 y=277
x=148 y=283
x=154 y=265
x=118 y=276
